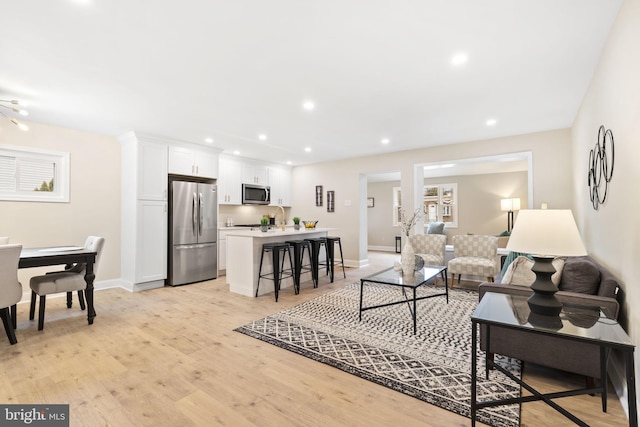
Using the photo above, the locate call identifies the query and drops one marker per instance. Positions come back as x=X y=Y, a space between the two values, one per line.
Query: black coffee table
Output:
x=396 y=278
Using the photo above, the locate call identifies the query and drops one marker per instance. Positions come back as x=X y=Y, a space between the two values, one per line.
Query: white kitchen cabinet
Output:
x=254 y=173
x=144 y=211
x=222 y=251
x=280 y=183
x=193 y=161
x=230 y=181
x=151 y=170
x=151 y=247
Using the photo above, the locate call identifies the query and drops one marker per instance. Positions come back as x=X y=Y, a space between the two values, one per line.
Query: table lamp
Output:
x=510 y=205
x=545 y=234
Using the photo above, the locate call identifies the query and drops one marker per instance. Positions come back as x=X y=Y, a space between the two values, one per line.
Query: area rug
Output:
x=433 y=365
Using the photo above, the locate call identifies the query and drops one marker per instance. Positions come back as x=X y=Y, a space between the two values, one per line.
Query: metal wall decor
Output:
x=601 y=160
x=330 y=201
x=318 y=195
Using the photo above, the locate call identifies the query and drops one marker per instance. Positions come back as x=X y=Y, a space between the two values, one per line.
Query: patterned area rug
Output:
x=434 y=365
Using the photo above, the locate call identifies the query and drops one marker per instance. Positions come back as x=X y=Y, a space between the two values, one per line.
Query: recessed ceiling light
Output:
x=289 y=162
x=307 y=149
x=459 y=59
x=208 y=140
x=308 y=105
x=236 y=152
x=491 y=122
x=262 y=137
x=385 y=141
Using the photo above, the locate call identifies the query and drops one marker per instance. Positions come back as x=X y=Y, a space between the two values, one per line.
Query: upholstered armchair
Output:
x=430 y=247
x=67 y=281
x=474 y=256
x=10 y=288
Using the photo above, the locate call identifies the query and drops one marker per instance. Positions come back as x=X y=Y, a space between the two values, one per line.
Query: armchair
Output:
x=430 y=247
x=475 y=256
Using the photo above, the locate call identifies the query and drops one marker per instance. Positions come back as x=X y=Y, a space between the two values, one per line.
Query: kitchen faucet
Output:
x=282 y=221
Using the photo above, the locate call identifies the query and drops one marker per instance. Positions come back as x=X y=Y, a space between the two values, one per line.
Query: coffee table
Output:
x=577 y=323
x=396 y=278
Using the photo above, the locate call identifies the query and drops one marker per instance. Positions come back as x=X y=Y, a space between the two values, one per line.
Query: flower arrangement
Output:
x=406 y=224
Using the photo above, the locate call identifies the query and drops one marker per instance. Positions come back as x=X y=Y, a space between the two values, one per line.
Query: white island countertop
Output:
x=273 y=232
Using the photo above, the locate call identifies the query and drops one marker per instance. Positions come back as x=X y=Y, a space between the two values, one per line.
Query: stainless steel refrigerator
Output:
x=193 y=221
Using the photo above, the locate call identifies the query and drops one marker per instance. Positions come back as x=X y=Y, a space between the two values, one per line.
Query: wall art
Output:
x=330 y=201
x=601 y=160
x=318 y=195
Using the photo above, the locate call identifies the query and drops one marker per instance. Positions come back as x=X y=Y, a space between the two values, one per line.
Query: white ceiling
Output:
x=230 y=70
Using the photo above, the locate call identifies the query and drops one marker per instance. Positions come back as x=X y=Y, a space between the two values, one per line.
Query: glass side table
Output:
x=577 y=323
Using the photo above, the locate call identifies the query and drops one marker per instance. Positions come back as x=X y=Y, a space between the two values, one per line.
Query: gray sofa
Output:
x=583 y=282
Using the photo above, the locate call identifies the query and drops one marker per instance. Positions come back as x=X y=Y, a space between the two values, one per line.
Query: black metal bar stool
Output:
x=299 y=266
x=315 y=257
x=330 y=248
x=279 y=272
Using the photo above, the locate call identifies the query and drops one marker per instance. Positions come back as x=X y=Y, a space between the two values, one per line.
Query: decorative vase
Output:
x=408 y=258
x=264 y=228
x=296 y=226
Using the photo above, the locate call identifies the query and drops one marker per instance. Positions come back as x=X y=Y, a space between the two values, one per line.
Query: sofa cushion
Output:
x=581 y=276
x=519 y=272
x=435 y=228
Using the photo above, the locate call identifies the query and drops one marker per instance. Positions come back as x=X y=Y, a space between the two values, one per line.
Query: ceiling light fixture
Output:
x=262 y=137
x=208 y=140
x=491 y=122
x=307 y=149
x=236 y=152
x=289 y=162
x=309 y=105
x=459 y=59
x=11 y=105
x=385 y=141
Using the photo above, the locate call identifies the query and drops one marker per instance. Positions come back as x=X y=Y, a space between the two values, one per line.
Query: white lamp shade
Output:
x=510 y=204
x=546 y=232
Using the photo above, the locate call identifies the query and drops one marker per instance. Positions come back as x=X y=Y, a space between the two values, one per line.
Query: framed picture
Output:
x=318 y=195
x=330 y=201
x=370 y=202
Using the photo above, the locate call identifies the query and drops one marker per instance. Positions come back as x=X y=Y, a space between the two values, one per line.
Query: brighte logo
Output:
x=36 y=415
x=25 y=416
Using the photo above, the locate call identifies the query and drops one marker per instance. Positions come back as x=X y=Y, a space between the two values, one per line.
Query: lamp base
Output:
x=543 y=301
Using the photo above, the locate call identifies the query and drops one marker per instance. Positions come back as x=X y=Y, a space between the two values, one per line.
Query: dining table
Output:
x=64 y=255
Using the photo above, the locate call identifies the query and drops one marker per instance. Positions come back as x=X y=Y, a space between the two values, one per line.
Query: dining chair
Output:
x=10 y=288
x=72 y=279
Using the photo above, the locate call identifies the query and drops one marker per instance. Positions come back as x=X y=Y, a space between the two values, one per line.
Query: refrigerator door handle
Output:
x=200 y=214
x=194 y=214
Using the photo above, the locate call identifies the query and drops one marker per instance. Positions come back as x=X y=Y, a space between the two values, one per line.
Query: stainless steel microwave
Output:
x=256 y=194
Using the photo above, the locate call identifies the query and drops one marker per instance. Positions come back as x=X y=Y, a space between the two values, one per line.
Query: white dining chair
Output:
x=10 y=288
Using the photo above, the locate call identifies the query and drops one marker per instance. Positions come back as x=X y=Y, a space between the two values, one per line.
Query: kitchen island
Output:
x=244 y=248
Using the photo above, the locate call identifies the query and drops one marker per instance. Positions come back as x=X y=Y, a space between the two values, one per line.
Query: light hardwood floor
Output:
x=169 y=357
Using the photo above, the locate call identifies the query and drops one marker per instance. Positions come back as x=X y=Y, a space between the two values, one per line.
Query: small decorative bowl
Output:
x=309 y=224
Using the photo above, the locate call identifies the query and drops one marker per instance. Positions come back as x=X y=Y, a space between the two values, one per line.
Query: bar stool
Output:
x=330 y=248
x=279 y=272
x=316 y=243
x=299 y=247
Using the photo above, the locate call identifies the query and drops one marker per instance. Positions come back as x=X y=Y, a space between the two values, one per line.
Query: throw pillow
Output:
x=580 y=276
x=519 y=272
x=435 y=228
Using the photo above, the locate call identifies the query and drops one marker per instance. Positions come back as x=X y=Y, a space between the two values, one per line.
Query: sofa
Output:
x=582 y=281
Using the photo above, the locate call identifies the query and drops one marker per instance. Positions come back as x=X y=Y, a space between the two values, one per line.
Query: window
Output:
x=441 y=204
x=30 y=174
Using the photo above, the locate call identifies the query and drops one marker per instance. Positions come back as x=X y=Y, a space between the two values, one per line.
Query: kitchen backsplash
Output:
x=250 y=214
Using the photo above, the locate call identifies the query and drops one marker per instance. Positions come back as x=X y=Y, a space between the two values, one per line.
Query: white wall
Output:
x=94 y=207
x=551 y=170
x=612 y=233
